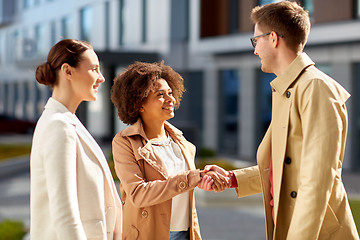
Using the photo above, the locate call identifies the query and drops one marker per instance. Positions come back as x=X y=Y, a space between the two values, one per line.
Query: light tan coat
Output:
x=146 y=188
x=73 y=195
x=306 y=139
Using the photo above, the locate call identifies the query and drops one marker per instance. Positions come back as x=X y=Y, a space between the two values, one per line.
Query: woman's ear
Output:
x=66 y=70
x=141 y=109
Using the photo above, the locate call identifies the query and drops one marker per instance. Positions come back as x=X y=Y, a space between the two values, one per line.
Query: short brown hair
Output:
x=66 y=51
x=286 y=18
x=132 y=87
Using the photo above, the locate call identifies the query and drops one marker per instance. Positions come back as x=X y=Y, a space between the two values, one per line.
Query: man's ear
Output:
x=67 y=70
x=274 y=39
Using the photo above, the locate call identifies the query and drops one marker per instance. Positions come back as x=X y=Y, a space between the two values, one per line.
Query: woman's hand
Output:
x=220 y=182
x=212 y=180
x=206 y=182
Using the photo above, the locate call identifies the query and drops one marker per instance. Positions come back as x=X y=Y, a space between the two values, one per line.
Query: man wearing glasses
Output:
x=300 y=157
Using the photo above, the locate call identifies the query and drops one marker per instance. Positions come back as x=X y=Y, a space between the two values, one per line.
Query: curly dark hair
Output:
x=132 y=87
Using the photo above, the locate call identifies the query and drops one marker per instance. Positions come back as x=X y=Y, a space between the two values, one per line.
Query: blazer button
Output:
x=144 y=214
x=288 y=94
x=287 y=160
x=293 y=194
x=182 y=185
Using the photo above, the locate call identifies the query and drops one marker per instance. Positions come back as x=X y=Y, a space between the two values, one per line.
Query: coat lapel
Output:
x=91 y=144
x=149 y=155
x=280 y=126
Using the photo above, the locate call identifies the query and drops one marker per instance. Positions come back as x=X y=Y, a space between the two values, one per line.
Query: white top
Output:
x=175 y=163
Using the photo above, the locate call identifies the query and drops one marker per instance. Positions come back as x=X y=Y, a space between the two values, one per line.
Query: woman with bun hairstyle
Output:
x=73 y=195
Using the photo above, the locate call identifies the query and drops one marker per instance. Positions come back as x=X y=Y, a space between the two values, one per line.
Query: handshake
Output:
x=214 y=178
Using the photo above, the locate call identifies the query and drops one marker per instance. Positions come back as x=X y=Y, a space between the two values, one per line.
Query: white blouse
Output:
x=175 y=163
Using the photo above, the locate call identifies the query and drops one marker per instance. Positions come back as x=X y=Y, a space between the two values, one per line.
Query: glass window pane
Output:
x=1 y=50
x=228 y=112
x=40 y=39
x=132 y=22
x=263 y=105
x=309 y=5
x=28 y=3
x=85 y=23
x=65 y=27
x=356 y=138
x=53 y=33
x=263 y=2
x=107 y=24
x=324 y=67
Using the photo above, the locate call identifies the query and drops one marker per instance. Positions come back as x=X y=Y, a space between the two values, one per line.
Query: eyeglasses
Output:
x=253 y=39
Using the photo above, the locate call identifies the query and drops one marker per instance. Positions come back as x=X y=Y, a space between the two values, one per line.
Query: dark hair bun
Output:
x=45 y=75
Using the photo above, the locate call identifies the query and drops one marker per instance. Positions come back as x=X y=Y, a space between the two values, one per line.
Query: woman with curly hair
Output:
x=153 y=160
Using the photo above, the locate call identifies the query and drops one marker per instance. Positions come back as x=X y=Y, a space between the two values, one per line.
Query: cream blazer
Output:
x=306 y=140
x=73 y=195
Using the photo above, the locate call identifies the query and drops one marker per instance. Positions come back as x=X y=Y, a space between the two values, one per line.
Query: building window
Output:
x=179 y=30
x=309 y=5
x=325 y=67
x=1 y=50
x=53 y=33
x=229 y=112
x=107 y=25
x=144 y=20
x=132 y=32
x=263 y=2
x=85 y=23
x=355 y=165
x=11 y=44
x=40 y=39
x=215 y=18
x=28 y=4
x=263 y=104
x=65 y=27
x=121 y=22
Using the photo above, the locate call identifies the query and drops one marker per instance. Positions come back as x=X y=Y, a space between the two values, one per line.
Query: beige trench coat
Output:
x=306 y=139
x=146 y=188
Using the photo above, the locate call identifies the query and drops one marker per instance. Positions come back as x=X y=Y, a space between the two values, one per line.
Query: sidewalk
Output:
x=222 y=216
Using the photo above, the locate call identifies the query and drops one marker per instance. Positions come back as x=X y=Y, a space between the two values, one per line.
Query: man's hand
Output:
x=217 y=169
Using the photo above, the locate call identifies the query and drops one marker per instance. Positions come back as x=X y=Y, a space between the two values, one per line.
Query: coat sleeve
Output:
x=59 y=160
x=248 y=180
x=324 y=123
x=139 y=191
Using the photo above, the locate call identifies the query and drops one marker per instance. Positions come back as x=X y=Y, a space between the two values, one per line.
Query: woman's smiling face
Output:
x=88 y=76
x=159 y=105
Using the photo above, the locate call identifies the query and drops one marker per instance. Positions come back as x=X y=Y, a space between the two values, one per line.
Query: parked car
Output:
x=10 y=124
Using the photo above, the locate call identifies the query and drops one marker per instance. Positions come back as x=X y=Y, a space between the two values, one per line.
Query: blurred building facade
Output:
x=227 y=106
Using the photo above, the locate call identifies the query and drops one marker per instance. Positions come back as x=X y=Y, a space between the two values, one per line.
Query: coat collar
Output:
x=147 y=151
x=291 y=73
x=55 y=105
